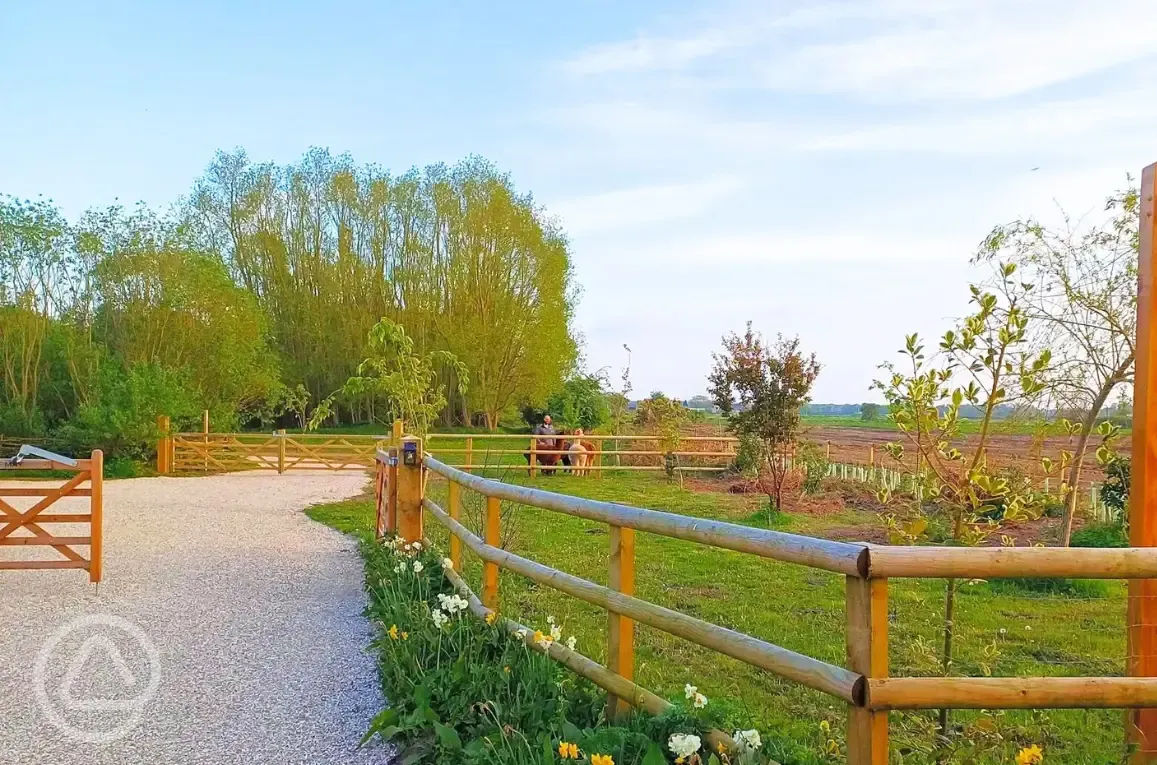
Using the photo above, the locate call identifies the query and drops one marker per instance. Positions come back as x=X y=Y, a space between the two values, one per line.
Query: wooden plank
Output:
x=40 y=491
x=18 y=565
x=621 y=630
x=455 y=503
x=43 y=541
x=867 y=646
x=805 y=670
x=493 y=538
x=1012 y=562
x=63 y=518
x=1012 y=693
x=1142 y=609
x=96 y=505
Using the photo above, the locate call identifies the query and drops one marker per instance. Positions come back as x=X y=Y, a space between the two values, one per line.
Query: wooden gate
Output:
x=27 y=528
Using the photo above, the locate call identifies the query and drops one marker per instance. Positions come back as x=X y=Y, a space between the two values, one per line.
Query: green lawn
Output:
x=1002 y=629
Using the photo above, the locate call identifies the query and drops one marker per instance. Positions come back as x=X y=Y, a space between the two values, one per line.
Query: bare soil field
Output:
x=854 y=445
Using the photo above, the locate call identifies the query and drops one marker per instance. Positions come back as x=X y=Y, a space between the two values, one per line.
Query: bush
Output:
x=1101 y=535
x=815 y=464
x=749 y=456
x=582 y=403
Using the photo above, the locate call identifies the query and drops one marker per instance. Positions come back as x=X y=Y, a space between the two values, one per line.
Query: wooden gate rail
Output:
x=33 y=520
x=864 y=684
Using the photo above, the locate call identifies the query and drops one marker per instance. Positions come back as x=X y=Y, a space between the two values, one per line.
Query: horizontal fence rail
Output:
x=863 y=684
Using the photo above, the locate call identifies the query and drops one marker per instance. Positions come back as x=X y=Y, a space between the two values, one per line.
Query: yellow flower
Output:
x=572 y=750
x=393 y=632
x=1030 y=756
x=825 y=726
x=491 y=618
x=568 y=751
x=602 y=759
x=405 y=636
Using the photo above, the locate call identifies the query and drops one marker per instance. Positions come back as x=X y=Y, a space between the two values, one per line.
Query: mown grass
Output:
x=1003 y=628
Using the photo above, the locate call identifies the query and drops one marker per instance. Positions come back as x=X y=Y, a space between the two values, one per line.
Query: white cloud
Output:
x=643 y=206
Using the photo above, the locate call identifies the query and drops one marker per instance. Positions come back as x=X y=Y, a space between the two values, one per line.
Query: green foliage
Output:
x=1101 y=535
x=750 y=456
x=398 y=376
x=667 y=417
x=1063 y=588
x=581 y=403
x=1115 y=489
x=760 y=390
x=869 y=412
x=813 y=459
x=462 y=690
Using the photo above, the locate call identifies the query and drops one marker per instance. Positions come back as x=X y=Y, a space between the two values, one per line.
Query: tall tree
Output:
x=1078 y=284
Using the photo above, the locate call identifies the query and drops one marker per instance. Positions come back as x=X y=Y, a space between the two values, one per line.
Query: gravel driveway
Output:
x=228 y=629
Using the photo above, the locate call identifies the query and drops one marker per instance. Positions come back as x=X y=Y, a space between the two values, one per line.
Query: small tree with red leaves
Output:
x=760 y=390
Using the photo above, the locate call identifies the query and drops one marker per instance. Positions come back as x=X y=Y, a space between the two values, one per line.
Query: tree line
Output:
x=254 y=297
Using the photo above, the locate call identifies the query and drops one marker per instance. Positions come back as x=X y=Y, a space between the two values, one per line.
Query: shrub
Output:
x=749 y=456
x=815 y=466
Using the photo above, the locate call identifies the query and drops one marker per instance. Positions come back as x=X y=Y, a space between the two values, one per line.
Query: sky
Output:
x=821 y=169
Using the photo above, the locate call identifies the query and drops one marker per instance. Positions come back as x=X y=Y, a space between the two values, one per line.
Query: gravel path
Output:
x=249 y=612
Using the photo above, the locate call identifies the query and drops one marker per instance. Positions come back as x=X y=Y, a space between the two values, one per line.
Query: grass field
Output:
x=1002 y=628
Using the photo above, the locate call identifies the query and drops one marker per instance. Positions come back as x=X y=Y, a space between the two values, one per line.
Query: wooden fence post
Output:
x=392 y=493
x=281 y=451
x=205 y=438
x=1142 y=609
x=494 y=539
x=163 y=452
x=397 y=432
x=533 y=444
x=867 y=639
x=621 y=630
x=409 y=506
x=469 y=460
x=455 y=502
x=598 y=459
x=379 y=498
x=96 y=513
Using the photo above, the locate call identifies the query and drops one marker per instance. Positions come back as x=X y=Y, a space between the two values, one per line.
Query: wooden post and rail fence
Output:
x=864 y=684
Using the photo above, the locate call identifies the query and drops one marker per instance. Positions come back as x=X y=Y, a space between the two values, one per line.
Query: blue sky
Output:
x=821 y=168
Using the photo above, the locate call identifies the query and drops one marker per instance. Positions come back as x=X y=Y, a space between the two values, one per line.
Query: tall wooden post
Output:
x=397 y=433
x=205 y=438
x=455 y=502
x=163 y=465
x=867 y=639
x=621 y=630
x=392 y=493
x=410 y=490
x=492 y=532
x=281 y=451
x=1142 y=611
x=96 y=512
x=379 y=498
x=469 y=461
x=533 y=445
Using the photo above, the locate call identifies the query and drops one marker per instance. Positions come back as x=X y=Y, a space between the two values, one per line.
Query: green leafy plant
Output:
x=985 y=362
x=398 y=375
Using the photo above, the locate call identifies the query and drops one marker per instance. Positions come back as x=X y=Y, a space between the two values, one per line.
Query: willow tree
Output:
x=453 y=254
x=1078 y=284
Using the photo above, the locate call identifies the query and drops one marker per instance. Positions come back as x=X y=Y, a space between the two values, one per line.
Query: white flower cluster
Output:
x=439 y=617
x=697 y=699
x=683 y=744
x=452 y=604
x=447 y=563
x=747 y=741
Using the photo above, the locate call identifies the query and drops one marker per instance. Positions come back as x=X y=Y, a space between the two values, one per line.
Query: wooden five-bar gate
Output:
x=27 y=528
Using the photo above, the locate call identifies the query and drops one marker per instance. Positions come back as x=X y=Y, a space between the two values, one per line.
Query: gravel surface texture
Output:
x=228 y=629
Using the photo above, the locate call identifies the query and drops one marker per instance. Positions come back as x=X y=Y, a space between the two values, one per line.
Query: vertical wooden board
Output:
x=469 y=454
x=493 y=537
x=620 y=629
x=96 y=522
x=379 y=504
x=867 y=645
x=455 y=502
x=410 y=486
x=392 y=493
x=1142 y=610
